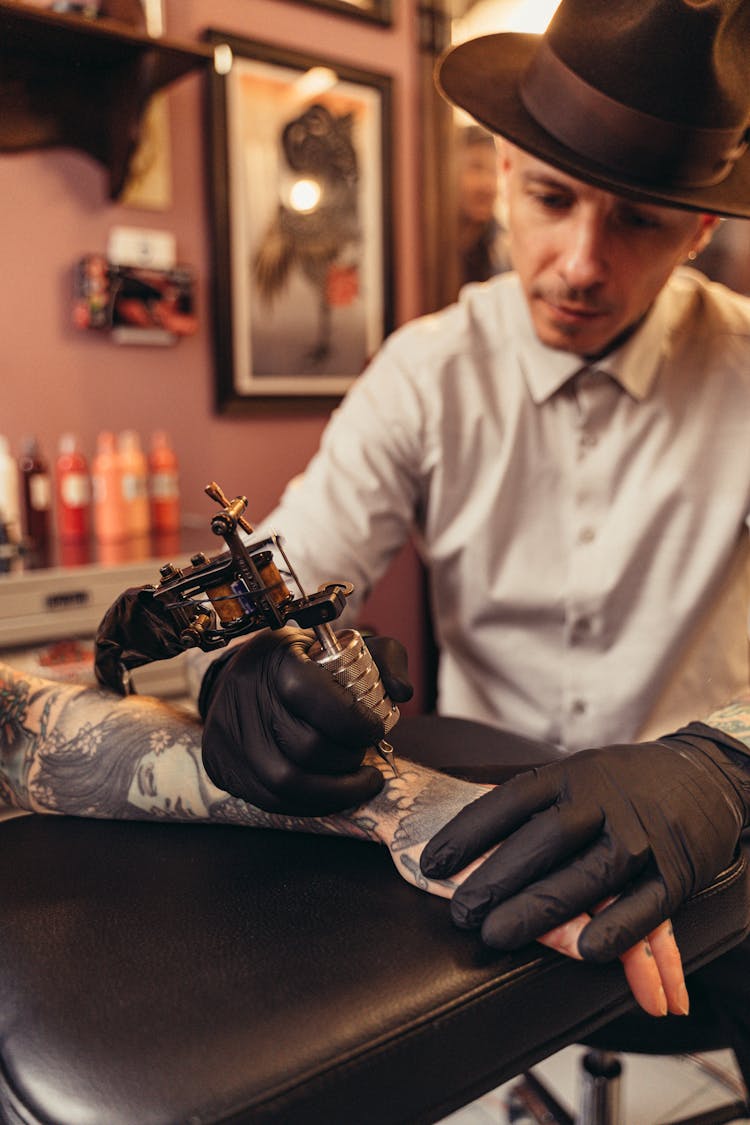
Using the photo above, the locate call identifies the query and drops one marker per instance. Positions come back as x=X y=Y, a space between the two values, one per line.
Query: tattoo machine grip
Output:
x=348 y=659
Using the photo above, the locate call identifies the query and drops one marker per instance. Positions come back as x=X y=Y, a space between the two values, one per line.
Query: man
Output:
x=480 y=245
x=568 y=446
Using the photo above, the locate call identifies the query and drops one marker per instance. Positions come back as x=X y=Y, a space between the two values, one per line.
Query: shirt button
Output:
x=586 y=535
x=580 y=629
x=578 y=706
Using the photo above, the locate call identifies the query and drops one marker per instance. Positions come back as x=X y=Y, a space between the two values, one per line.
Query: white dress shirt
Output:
x=585 y=527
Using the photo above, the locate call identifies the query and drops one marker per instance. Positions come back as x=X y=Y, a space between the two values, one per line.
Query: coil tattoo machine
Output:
x=242 y=590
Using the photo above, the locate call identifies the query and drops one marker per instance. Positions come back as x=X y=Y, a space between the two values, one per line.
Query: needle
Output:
x=387 y=754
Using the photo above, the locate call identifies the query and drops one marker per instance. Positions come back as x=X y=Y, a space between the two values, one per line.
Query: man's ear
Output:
x=708 y=225
x=504 y=150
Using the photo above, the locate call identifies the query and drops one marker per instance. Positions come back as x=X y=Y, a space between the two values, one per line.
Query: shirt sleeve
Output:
x=349 y=513
x=353 y=508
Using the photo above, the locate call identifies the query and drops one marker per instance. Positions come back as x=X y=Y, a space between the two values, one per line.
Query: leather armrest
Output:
x=168 y=973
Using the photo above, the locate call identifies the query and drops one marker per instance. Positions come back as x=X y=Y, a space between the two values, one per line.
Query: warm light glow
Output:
x=304 y=195
x=223 y=58
x=315 y=81
x=528 y=16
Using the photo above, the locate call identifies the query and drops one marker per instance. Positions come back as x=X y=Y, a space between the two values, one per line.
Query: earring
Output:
x=692 y=255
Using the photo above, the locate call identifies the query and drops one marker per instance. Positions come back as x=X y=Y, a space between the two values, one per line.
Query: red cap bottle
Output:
x=73 y=492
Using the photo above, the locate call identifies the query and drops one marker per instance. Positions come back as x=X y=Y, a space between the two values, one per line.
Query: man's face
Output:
x=591 y=263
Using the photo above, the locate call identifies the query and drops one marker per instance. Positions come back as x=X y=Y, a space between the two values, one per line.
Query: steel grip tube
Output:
x=346 y=656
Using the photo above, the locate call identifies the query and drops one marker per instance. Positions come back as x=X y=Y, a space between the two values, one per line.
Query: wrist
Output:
x=727 y=753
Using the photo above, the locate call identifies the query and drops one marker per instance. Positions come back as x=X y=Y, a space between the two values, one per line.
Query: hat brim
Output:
x=481 y=76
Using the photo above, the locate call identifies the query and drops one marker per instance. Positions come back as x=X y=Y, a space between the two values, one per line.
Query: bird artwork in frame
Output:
x=302 y=232
x=316 y=227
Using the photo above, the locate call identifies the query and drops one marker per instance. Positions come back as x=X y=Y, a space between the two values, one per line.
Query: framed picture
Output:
x=378 y=11
x=301 y=197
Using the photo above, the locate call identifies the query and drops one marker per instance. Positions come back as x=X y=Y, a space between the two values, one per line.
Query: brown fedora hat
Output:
x=646 y=98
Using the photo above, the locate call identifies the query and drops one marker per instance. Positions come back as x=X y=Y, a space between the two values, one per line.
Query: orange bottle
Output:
x=164 y=480
x=134 y=469
x=106 y=480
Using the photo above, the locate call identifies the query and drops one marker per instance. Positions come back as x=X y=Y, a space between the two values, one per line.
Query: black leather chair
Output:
x=156 y=974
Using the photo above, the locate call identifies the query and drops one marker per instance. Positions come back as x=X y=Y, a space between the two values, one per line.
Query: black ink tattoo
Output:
x=82 y=751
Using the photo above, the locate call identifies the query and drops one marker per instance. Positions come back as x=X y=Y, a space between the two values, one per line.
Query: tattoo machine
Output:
x=242 y=590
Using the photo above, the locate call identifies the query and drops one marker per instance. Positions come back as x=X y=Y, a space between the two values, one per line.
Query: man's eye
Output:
x=552 y=201
x=638 y=220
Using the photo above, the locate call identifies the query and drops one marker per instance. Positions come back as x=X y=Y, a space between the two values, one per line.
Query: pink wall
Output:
x=55 y=208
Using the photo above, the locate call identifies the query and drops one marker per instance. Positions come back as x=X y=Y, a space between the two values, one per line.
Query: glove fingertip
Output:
x=434 y=864
x=463 y=916
x=372 y=782
x=400 y=691
x=593 y=950
x=600 y=944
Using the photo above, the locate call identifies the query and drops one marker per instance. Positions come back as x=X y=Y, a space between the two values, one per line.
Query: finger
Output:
x=642 y=972
x=319 y=796
x=489 y=820
x=669 y=963
x=564 y=938
x=639 y=910
x=311 y=693
x=393 y=664
x=522 y=873
x=639 y=963
x=643 y=976
x=312 y=750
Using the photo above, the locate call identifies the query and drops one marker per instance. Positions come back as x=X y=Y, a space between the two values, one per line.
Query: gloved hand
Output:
x=135 y=630
x=653 y=823
x=281 y=733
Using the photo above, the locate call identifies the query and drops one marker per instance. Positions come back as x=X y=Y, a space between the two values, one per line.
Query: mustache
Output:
x=583 y=300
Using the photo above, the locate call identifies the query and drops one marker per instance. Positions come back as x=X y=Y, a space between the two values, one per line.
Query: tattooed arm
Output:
x=734 y=719
x=81 y=751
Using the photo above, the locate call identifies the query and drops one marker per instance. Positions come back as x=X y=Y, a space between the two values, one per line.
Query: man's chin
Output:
x=579 y=339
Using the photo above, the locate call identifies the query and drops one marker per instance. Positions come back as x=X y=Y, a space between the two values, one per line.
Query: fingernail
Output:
x=662 y=1005
x=683 y=1002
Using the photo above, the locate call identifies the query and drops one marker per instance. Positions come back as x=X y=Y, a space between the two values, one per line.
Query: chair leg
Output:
x=600 y=1097
x=600 y=1089
x=530 y=1100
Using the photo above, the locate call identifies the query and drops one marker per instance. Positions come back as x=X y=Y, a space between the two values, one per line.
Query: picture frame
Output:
x=300 y=165
x=376 y=11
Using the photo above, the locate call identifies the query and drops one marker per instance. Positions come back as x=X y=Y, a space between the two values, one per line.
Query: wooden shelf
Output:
x=70 y=81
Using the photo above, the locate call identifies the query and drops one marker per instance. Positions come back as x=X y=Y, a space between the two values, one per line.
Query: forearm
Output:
x=734 y=719
x=87 y=752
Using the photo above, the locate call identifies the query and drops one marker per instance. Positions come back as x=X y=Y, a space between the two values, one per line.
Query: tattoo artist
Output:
x=569 y=443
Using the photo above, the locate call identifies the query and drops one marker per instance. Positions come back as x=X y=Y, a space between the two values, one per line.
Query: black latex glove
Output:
x=279 y=731
x=653 y=823
x=135 y=630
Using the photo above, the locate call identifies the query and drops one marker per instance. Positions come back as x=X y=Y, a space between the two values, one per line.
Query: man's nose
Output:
x=583 y=258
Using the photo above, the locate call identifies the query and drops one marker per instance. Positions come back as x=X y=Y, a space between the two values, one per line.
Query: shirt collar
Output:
x=634 y=366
